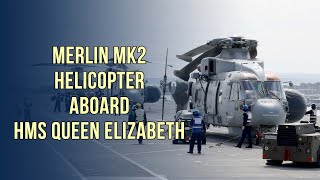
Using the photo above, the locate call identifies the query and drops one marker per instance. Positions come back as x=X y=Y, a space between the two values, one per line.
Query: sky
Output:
x=287 y=31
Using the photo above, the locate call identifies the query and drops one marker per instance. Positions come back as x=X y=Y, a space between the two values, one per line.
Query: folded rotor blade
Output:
x=199 y=50
x=184 y=73
x=188 y=55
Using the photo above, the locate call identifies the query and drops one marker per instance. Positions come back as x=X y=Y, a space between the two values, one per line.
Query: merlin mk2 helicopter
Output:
x=229 y=76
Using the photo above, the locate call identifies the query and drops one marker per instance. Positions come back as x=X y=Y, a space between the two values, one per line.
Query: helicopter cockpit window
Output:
x=251 y=90
x=234 y=53
x=274 y=89
x=234 y=93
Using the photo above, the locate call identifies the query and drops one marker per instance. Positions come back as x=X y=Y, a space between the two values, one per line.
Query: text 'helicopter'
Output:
x=150 y=93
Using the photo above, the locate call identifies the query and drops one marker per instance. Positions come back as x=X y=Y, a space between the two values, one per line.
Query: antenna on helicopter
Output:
x=164 y=84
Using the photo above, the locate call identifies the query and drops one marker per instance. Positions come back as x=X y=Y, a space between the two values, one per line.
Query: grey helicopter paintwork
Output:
x=229 y=76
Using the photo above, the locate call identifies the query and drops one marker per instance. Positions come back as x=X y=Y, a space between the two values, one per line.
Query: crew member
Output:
x=67 y=101
x=313 y=114
x=132 y=105
x=198 y=126
x=140 y=116
x=246 y=127
x=132 y=116
x=57 y=98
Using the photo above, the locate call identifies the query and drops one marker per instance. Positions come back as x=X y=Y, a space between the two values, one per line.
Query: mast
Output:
x=164 y=84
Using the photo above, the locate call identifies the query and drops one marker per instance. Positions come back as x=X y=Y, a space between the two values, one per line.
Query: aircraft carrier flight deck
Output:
x=154 y=159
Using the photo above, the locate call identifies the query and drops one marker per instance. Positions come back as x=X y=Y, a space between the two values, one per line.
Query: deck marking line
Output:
x=130 y=160
x=75 y=170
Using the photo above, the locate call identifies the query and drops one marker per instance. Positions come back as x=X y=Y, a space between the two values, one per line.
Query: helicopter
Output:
x=229 y=75
x=150 y=93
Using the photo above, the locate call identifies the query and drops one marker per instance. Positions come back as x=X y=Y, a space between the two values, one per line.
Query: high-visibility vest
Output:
x=249 y=121
x=139 y=115
x=197 y=124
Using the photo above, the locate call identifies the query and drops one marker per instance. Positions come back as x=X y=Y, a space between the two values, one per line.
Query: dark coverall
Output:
x=197 y=131
x=247 y=130
x=67 y=100
x=137 y=121
x=131 y=118
x=57 y=104
x=313 y=116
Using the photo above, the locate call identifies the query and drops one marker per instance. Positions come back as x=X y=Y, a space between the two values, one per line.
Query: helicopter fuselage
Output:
x=223 y=86
x=230 y=76
x=220 y=101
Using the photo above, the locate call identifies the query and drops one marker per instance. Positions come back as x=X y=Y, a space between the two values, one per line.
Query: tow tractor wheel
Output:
x=274 y=162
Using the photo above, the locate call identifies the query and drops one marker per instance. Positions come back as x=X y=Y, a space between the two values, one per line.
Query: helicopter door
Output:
x=211 y=102
x=218 y=103
x=218 y=98
x=232 y=102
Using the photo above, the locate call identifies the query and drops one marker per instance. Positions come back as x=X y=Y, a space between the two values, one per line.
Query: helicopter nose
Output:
x=151 y=94
x=268 y=112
